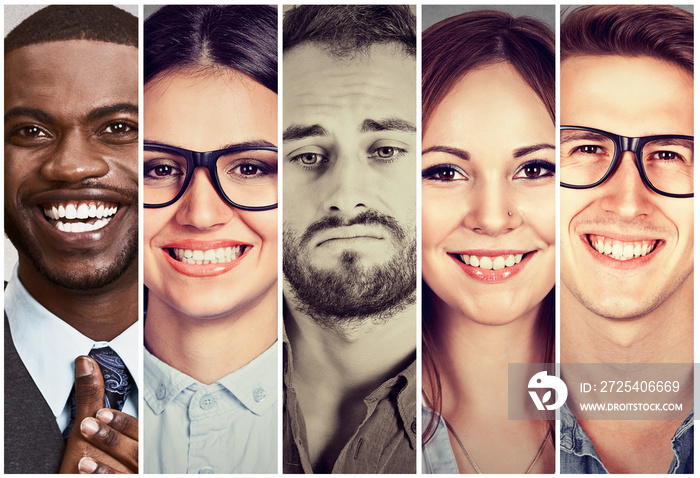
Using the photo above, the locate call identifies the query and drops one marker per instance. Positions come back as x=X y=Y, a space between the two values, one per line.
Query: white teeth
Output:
x=71 y=212
x=491 y=263
x=77 y=227
x=220 y=255
x=621 y=251
x=81 y=210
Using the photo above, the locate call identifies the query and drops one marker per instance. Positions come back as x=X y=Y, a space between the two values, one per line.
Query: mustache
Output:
x=368 y=218
x=94 y=183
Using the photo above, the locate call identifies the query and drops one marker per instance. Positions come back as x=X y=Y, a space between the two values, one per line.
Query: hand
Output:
x=115 y=439
x=115 y=433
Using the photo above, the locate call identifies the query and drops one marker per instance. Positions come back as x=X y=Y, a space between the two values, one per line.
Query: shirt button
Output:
x=207 y=470
x=259 y=394
x=206 y=403
x=160 y=393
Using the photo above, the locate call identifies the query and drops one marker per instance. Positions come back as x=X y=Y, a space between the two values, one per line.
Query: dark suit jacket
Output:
x=33 y=441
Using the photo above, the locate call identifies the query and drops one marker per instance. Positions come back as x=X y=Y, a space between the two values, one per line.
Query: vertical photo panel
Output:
x=627 y=171
x=488 y=244
x=349 y=239
x=71 y=213
x=210 y=239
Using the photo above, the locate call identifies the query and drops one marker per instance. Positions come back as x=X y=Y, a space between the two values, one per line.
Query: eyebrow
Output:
x=525 y=150
x=39 y=115
x=686 y=143
x=389 y=124
x=109 y=110
x=460 y=153
x=574 y=135
x=245 y=144
x=297 y=132
x=44 y=117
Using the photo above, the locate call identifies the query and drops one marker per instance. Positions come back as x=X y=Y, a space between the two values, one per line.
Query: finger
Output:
x=120 y=447
x=89 y=388
x=122 y=422
x=87 y=466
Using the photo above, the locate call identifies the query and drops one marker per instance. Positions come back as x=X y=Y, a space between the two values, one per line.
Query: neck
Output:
x=472 y=358
x=100 y=314
x=353 y=359
x=663 y=336
x=210 y=348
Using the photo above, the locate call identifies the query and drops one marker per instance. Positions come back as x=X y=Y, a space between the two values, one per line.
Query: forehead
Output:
x=208 y=111
x=322 y=89
x=632 y=96
x=71 y=77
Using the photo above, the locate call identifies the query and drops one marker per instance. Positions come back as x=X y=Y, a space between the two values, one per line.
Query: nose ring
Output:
x=510 y=213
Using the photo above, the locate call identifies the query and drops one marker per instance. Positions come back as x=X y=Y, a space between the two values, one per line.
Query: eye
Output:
x=444 y=173
x=158 y=170
x=309 y=160
x=667 y=156
x=29 y=135
x=535 y=169
x=589 y=149
x=119 y=132
x=387 y=153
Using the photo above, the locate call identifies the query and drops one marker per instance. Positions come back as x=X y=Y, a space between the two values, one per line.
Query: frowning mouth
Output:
x=622 y=250
x=78 y=216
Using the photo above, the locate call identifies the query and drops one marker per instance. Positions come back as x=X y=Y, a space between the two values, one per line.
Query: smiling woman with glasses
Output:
x=210 y=239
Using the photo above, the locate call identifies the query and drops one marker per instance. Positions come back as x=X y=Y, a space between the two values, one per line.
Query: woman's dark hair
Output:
x=203 y=37
x=659 y=31
x=460 y=44
x=451 y=49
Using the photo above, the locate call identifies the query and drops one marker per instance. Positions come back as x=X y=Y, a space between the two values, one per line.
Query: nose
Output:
x=490 y=210
x=201 y=206
x=348 y=187
x=73 y=160
x=625 y=194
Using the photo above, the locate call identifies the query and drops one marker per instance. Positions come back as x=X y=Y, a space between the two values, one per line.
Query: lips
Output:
x=349 y=233
x=220 y=255
x=621 y=250
x=77 y=216
x=492 y=266
x=205 y=258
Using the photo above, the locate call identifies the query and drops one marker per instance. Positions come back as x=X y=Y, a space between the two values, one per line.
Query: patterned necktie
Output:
x=117 y=379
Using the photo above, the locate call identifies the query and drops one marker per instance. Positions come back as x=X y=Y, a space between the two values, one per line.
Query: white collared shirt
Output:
x=42 y=339
x=229 y=426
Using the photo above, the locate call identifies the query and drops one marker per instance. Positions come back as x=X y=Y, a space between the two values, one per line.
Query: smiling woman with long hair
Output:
x=210 y=239
x=488 y=238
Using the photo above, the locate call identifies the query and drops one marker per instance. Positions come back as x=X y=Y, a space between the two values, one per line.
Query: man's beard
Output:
x=352 y=292
x=90 y=279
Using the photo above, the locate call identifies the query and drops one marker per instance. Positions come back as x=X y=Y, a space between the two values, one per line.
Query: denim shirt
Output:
x=438 y=456
x=578 y=454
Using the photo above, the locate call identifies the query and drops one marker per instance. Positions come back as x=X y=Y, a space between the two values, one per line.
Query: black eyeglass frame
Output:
x=207 y=159
x=623 y=144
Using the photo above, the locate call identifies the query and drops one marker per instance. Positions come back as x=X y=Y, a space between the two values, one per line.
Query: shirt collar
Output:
x=254 y=384
x=41 y=338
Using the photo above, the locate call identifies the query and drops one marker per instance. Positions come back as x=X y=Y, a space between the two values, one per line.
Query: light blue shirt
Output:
x=229 y=426
x=437 y=453
x=42 y=339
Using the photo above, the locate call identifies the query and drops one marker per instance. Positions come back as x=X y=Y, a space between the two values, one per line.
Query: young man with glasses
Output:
x=627 y=221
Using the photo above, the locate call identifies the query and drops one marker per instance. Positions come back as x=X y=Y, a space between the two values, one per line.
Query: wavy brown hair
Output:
x=451 y=49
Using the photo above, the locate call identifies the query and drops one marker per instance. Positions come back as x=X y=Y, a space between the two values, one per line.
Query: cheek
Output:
x=264 y=225
x=439 y=219
x=539 y=213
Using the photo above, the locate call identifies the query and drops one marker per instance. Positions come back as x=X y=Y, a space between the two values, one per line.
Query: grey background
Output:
x=435 y=13
x=14 y=14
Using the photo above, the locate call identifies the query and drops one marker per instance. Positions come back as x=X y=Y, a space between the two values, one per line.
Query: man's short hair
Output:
x=345 y=30
x=240 y=37
x=75 y=22
x=657 y=31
